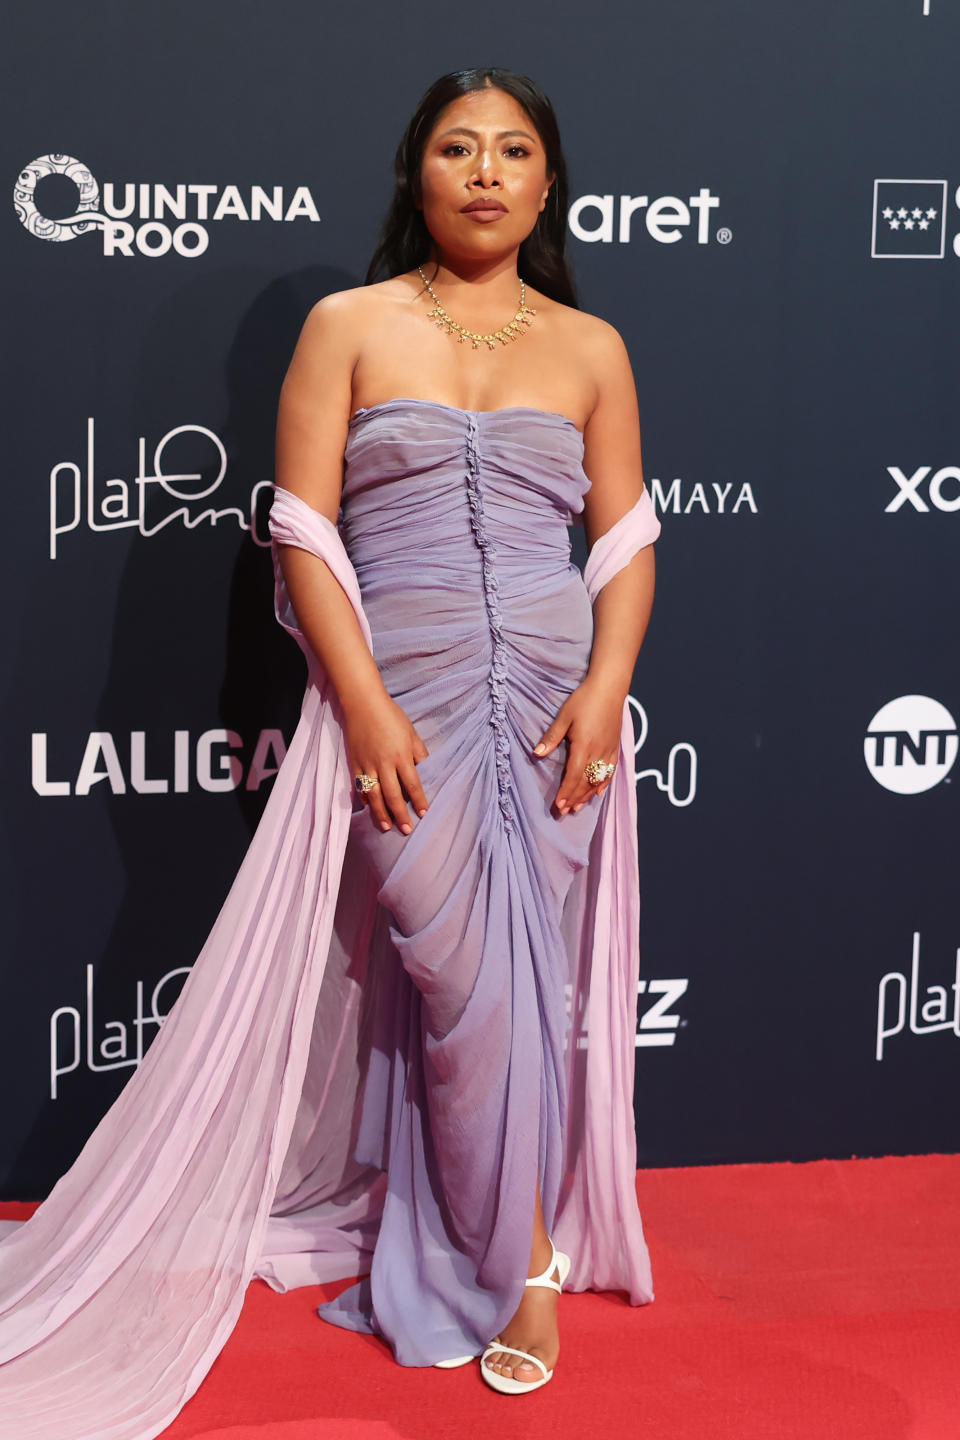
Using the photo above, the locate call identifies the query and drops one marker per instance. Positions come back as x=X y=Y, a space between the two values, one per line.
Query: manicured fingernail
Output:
x=421 y=813
x=578 y=807
x=405 y=829
x=539 y=749
x=384 y=824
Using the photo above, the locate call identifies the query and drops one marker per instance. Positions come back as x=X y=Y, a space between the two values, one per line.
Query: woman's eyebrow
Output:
x=462 y=130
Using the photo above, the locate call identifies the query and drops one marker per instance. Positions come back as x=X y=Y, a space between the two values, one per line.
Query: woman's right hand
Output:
x=382 y=741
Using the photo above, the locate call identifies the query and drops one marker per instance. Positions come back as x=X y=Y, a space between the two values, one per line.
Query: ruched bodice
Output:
x=423 y=480
x=456 y=522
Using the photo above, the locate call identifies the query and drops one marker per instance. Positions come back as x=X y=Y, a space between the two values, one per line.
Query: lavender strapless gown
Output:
x=456 y=524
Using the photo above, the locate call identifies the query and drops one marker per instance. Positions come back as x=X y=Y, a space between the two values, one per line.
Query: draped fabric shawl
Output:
x=229 y=1153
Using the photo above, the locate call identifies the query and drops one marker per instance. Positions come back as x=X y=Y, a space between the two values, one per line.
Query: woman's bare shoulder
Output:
x=338 y=325
x=357 y=305
x=580 y=325
x=595 y=348
x=595 y=340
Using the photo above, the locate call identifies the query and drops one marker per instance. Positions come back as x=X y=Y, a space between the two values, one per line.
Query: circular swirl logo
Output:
x=87 y=216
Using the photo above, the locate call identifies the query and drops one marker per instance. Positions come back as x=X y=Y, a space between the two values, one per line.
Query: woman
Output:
x=480 y=196
x=370 y=1059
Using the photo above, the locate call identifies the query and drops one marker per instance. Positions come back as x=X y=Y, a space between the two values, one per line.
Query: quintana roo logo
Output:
x=87 y=216
x=149 y=218
x=911 y=744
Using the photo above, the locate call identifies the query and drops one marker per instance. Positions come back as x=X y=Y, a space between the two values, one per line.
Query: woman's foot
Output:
x=534 y=1324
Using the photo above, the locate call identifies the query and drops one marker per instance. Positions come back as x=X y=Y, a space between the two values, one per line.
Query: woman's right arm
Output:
x=312 y=423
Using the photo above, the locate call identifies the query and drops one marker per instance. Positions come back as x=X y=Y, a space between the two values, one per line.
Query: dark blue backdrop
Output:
x=794 y=354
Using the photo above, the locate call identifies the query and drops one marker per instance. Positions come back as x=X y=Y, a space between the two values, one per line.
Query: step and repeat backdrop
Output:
x=766 y=203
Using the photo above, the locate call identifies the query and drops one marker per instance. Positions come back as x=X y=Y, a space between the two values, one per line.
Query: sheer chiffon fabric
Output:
x=386 y=1040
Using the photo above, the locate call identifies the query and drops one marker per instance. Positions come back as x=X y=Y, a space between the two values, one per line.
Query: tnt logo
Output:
x=909 y=219
x=911 y=744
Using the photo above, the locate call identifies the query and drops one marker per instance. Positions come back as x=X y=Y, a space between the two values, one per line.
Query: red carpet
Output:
x=794 y=1302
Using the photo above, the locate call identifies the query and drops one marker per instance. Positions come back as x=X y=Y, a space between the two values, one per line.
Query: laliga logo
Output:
x=188 y=204
x=208 y=761
x=911 y=744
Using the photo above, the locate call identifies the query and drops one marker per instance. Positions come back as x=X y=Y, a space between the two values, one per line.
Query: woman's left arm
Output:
x=590 y=718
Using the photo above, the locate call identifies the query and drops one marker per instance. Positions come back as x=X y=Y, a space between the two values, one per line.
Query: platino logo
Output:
x=910 y=220
x=174 y=218
x=926 y=1018
x=113 y=1051
x=681 y=764
x=154 y=497
x=665 y=219
x=911 y=744
x=908 y=489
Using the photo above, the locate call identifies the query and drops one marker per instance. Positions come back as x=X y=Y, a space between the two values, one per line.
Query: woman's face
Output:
x=483 y=177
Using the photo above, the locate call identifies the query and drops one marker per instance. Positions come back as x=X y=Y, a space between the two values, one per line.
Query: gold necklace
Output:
x=453 y=327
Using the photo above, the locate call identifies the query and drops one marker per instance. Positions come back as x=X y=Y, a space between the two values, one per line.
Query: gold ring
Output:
x=363 y=783
x=597 y=771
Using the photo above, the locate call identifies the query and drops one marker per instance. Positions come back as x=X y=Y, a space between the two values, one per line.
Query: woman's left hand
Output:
x=589 y=719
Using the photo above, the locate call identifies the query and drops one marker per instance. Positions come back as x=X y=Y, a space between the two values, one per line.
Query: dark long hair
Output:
x=405 y=240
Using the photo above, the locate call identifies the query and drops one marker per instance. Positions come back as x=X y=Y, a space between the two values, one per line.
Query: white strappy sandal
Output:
x=506 y=1384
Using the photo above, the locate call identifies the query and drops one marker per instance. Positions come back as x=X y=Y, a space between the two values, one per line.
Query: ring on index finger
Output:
x=597 y=771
